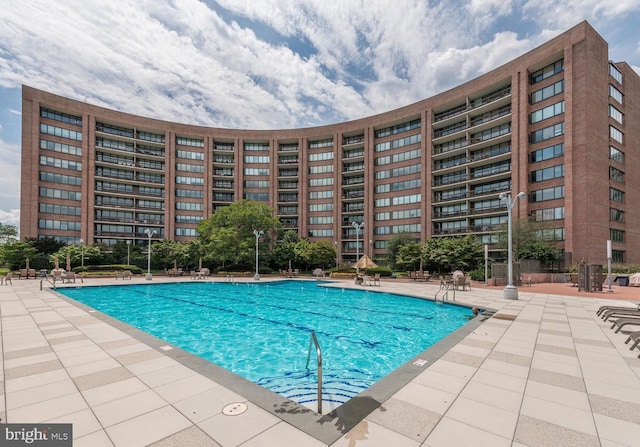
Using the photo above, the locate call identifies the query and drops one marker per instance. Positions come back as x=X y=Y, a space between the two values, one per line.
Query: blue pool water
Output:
x=261 y=331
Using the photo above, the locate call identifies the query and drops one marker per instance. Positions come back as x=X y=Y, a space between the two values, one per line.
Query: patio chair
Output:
x=635 y=336
x=24 y=273
x=7 y=279
x=462 y=283
x=57 y=275
x=69 y=277
x=376 y=279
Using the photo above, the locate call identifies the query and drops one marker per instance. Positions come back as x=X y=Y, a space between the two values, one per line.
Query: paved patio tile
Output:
x=103 y=377
x=189 y=437
x=535 y=432
x=112 y=391
x=559 y=414
x=208 y=403
x=409 y=420
x=148 y=428
x=234 y=430
x=40 y=393
x=452 y=433
x=115 y=411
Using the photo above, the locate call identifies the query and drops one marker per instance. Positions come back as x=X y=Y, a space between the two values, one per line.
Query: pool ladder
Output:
x=445 y=288
x=313 y=340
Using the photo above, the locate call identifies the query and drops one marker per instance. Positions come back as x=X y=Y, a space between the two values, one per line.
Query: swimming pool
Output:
x=261 y=331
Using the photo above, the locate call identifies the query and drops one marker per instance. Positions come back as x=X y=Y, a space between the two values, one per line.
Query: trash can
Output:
x=623 y=280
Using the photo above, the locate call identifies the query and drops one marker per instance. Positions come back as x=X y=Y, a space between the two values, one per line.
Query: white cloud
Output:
x=10 y=183
x=11 y=217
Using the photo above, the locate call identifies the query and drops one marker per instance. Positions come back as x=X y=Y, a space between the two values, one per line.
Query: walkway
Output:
x=543 y=371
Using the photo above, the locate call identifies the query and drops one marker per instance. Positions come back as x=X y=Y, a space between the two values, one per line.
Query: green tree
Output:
x=165 y=253
x=527 y=242
x=285 y=249
x=322 y=254
x=14 y=253
x=228 y=234
x=542 y=251
x=8 y=232
x=448 y=253
x=393 y=248
x=409 y=256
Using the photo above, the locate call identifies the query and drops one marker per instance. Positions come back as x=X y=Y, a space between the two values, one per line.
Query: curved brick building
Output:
x=559 y=123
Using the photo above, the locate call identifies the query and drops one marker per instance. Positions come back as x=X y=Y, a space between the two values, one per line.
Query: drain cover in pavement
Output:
x=234 y=409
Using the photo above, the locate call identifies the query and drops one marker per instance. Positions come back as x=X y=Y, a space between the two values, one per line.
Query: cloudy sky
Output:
x=269 y=64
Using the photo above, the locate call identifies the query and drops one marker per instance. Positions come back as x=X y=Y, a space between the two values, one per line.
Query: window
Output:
x=321 y=233
x=547 y=173
x=189 y=206
x=60 y=147
x=320 y=207
x=615 y=134
x=547 y=92
x=186 y=232
x=615 y=73
x=322 y=169
x=49 y=208
x=548 y=214
x=321 y=195
x=413 y=139
x=257 y=196
x=193 y=142
x=543 y=195
x=407 y=214
x=616 y=155
x=320 y=143
x=60 y=132
x=256 y=159
x=616 y=235
x=190 y=193
x=547 y=153
x=320 y=220
x=185 y=167
x=547 y=112
x=64 y=225
x=546 y=133
x=546 y=72
x=384 y=132
x=615 y=114
x=150 y=136
x=59 y=116
x=320 y=156
x=256 y=171
x=325 y=181
x=616 y=215
x=188 y=219
x=615 y=93
x=383 y=202
x=256 y=183
x=616 y=195
x=403 y=200
x=189 y=180
x=60 y=178
x=190 y=155
x=616 y=175
x=115 y=130
x=618 y=256
x=60 y=194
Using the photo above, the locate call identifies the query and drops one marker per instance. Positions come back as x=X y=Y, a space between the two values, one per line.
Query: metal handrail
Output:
x=445 y=296
x=314 y=340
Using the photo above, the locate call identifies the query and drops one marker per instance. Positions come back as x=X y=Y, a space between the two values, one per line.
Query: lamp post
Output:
x=358 y=227
x=510 y=291
x=257 y=234
x=82 y=254
x=128 y=253
x=335 y=244
x=149 y=233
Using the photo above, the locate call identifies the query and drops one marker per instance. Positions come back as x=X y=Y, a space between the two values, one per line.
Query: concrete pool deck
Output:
x=543 y=371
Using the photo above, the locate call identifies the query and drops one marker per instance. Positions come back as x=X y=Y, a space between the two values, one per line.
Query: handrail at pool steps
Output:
x=445 y=289
x=314 y=340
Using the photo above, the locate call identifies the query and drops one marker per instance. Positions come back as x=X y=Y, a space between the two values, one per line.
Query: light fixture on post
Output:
x=128 y=253
x=257 y=234
x=510 y=291
x=358 y=227
x=82 y=255
x=149 y=233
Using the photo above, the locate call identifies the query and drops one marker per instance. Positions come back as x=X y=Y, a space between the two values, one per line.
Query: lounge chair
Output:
x=57 y=275
x=622 y=322
x=635 y=336
x=620 y=314
x=603 y=309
